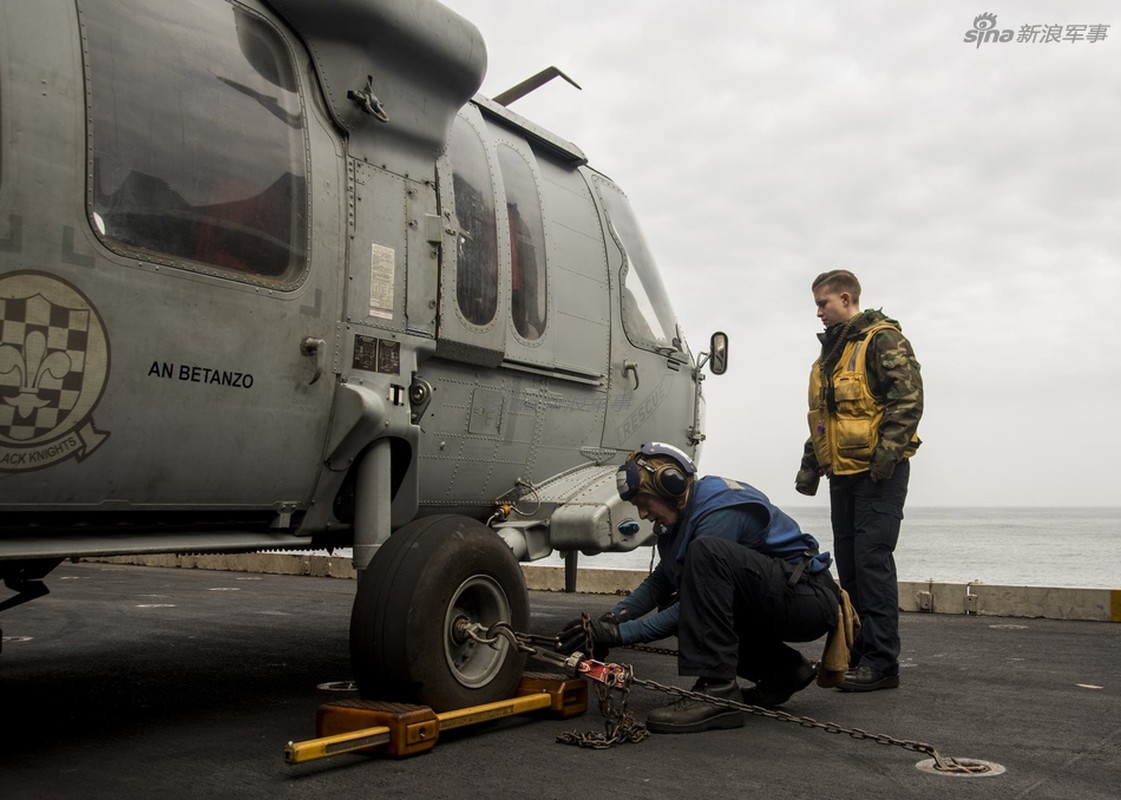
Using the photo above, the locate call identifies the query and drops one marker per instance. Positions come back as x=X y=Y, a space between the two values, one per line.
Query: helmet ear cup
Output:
x=670 y=480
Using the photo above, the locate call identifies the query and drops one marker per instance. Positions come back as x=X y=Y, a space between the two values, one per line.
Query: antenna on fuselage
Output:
x=529 y=84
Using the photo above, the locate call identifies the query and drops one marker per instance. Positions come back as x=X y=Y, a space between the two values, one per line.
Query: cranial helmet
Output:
x=655 y=468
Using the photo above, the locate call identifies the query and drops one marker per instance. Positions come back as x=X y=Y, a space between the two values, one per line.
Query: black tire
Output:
x=430 y=573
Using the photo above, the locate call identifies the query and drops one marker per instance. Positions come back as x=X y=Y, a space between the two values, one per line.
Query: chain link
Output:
x=942 y=763
x=621 y=726
x=649 y=648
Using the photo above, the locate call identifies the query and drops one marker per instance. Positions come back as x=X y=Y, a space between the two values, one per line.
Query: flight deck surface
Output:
x=133 y=681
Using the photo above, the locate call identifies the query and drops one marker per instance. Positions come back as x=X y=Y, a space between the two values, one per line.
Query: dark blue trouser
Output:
x=737 y=612
x=866 y=515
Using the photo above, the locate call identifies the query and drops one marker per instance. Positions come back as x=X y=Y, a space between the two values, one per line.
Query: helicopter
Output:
x=274 y=275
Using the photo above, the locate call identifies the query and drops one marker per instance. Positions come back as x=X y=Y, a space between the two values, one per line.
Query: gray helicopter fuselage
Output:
x=273 y=274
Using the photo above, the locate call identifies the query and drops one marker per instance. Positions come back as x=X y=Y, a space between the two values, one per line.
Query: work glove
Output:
x=882 y=466
x=806 y=482
x=598 y=637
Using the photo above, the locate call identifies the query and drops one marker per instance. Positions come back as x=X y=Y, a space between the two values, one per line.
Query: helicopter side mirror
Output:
x=718 y=353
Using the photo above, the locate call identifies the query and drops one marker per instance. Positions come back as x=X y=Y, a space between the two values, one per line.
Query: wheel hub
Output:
x=479 y=599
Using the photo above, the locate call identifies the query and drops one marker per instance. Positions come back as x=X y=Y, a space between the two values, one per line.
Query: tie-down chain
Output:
x=612 y=684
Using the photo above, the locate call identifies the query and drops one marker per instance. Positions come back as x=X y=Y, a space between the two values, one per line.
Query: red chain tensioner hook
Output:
x=614 y=676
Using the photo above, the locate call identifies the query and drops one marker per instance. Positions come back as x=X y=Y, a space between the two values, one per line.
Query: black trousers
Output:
x=866 y=516
x=738 y=611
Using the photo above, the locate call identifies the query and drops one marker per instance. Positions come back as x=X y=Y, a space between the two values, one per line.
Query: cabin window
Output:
x=476 y=271
x=197 y=137
x=645 y=309
x=528 y=287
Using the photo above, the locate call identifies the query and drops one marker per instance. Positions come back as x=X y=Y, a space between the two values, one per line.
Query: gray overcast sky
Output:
x=974 y=191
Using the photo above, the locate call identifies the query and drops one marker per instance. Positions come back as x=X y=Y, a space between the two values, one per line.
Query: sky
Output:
x=972 y=189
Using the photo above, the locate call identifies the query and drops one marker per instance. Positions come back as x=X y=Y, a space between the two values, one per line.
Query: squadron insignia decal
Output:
x=54 y=361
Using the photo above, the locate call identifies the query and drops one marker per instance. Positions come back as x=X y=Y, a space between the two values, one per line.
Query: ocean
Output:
x=1008 y=546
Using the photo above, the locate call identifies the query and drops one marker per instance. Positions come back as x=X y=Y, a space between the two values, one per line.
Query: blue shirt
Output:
x=717 y=507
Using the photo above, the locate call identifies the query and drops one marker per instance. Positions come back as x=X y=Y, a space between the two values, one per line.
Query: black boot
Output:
x=693 y=716
x=867 y=679
x=773 y=692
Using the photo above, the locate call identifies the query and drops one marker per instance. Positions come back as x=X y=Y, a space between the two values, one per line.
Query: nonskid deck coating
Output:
x=133 y=682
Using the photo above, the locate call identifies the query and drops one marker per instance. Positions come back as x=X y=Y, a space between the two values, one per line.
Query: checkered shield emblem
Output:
x=42 y=365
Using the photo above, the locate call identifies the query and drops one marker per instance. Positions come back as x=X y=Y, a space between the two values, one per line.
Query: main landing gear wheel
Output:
x=430 y=577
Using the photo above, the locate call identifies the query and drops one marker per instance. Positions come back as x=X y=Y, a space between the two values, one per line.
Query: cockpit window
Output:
x=529 y=298
x=476 y=272
x=197 y=137
x=647 y=316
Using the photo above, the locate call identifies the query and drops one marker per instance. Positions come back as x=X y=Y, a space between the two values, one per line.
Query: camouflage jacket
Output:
x=894 y=379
